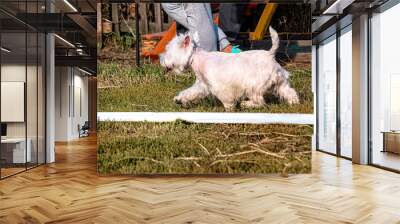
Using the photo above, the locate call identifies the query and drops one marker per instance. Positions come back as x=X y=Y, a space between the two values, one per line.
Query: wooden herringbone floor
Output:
x=70 y=191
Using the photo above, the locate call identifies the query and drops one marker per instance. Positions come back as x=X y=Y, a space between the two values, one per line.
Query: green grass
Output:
x=125 y=88
x=186 y=148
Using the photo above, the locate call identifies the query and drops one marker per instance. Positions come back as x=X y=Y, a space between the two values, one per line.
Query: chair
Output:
x=84 y=130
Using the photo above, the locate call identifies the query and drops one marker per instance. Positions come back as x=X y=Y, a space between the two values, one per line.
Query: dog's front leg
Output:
x=192 y=94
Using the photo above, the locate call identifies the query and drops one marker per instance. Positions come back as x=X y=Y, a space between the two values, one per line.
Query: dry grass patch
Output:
x=186 y=148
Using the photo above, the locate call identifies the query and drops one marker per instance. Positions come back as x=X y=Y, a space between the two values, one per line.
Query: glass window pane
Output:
x=327 y=95
x=23 y=85
x=32 y=97
x=13 y=86
x=385 y=83
x=346 y=92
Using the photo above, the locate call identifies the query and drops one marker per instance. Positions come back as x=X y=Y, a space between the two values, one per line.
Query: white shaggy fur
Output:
x=232 y=78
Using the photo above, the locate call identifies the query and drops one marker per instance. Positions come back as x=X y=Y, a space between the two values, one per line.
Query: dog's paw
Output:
x=229 y=107
x=293 y=100
x=177 y=100
x=250 y=104
x=182 y=103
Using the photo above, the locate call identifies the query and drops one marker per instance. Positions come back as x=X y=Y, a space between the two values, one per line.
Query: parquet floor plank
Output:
x=70 y=191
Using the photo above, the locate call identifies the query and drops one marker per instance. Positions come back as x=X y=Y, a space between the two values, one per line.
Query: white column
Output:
x=50 y=110
x=50 y=93
x=314 y=90
x=360 y=90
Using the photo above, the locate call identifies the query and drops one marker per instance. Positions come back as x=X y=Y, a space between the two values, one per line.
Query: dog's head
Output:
x=178 y=53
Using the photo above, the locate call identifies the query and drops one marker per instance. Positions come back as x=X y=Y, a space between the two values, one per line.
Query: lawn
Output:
x=186 y=148
x=123 y=87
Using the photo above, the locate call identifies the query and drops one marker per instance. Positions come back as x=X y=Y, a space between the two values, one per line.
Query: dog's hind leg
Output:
x=192 y=94
x=287 y=93
x=255 y=101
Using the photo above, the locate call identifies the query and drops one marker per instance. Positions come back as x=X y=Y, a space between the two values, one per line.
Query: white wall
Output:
x=16 y=73
x=81 y=108
x=33 y=126
x=13 y=101
x=62 y=82
x=12 y=73
x=70 y=84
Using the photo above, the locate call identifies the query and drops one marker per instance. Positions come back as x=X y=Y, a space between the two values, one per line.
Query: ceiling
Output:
x=74 y=22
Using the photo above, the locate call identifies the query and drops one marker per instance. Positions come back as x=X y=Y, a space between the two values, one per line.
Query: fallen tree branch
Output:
x=264 y=151
x=108 y=87
x=188 y=158
x=218 y=151
x=226 y=135
x=253 y=134
x=204 y=148
x=235 y=161
x=235 y=154
x=289 y=135
x=197 y=164
x=141 y=158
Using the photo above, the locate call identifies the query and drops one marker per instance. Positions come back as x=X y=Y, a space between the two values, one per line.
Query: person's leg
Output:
x=202 y=26
x=232 y=18
x=223 y=40
x=197 y=18
x=221 y=36
x=194 y=17
x=177 y=12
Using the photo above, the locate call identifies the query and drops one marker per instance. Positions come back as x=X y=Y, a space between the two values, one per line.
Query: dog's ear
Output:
x=186 y=41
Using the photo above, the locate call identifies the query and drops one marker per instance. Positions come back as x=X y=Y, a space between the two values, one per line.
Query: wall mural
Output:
x=221 y=89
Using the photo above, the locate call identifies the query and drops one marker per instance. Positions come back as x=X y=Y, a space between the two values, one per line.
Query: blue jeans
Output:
x=197 y=19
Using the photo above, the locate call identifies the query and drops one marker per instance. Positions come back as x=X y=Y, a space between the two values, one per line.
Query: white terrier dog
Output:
x=243 y=78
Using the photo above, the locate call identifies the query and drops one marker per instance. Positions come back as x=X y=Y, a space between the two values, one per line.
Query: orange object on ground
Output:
x=160 y=47
x=167 y=36
x=153 y=36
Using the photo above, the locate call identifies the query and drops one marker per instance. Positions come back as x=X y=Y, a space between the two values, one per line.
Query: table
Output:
x=13 y=150
x=391 y=141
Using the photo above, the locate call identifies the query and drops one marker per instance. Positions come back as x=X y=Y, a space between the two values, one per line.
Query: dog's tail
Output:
x=275 y=40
